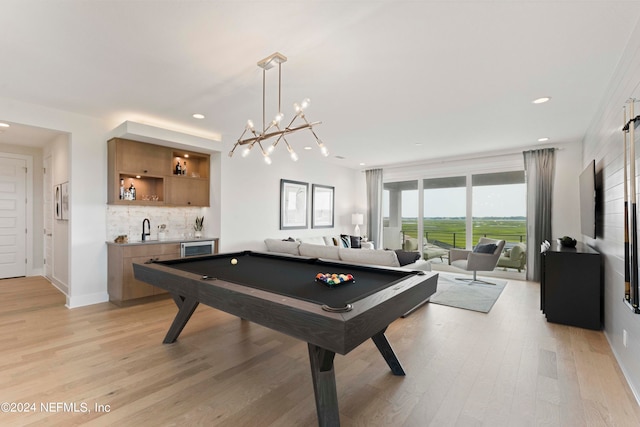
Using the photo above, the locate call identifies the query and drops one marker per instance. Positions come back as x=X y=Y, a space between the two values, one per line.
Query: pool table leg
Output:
x=186 y=307
x=324 y=385
x=387 y=352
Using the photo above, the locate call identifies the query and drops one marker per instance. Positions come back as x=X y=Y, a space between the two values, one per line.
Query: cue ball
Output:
x=234 y=261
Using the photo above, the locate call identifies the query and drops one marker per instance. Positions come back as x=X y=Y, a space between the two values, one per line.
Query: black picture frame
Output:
x=323 y=206
x=294 y=201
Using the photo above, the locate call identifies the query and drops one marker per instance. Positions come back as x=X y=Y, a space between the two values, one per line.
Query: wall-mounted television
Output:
x=588 y=200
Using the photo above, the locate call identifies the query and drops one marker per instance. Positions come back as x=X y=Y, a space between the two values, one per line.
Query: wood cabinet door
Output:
x=185 y=191
x=141 y=158
x=133 y=288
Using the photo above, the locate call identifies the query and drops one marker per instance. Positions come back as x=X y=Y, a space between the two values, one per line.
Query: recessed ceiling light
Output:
x=362 y=164
x=418 y=144
x=4 y=125
x=307 y=148
x=543 y=139
x=198 y=116
x=542 y=100
x=186 y=156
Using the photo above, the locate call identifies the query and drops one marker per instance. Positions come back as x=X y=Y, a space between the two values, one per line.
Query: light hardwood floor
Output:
x=505 y=368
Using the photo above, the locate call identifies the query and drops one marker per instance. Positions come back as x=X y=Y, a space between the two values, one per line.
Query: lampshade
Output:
x=357 y=219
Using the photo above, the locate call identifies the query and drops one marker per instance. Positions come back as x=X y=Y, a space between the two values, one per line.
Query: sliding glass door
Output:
x=499 y=207
x=445 y=212
x=400 y=214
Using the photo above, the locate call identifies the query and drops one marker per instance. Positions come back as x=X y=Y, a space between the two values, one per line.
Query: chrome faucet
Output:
x=148 y=233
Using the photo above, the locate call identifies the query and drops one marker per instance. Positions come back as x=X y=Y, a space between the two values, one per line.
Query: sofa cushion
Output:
x=283 y=247
x=319 y=251
x=356 y=242
x=358 y=256
x=517 y=251
x=407 y=257
x=410 y=244
x=486 y=248
x=316 y=240
x=332 y=240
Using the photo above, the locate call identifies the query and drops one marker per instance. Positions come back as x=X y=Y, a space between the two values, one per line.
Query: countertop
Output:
x=156 y=242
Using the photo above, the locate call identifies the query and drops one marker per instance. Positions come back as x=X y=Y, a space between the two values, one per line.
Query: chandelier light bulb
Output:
x=296 y=107
x=249 y=124
x=294 y=156
x=270 y=149
x=246 y=151
x=279 y=117
x=267 y=159
x=323 y=149
x=305 y=103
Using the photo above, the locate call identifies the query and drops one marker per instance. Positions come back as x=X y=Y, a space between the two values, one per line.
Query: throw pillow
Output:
x=487 y=248
x=290 y=239
x=356 y=242
x=406 y=257
x=346 y=241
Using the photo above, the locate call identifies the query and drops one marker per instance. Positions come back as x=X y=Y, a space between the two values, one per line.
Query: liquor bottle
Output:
x=184 y=168
x=121 y=188
x=132 y=191
x=178 y=168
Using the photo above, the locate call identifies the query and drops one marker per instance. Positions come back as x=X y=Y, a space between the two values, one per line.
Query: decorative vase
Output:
x=198 y=234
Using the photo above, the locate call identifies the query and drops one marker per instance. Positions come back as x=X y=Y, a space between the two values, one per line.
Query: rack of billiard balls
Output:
x=334 y=279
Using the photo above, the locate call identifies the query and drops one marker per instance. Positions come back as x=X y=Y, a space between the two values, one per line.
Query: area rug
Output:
x=477 y=296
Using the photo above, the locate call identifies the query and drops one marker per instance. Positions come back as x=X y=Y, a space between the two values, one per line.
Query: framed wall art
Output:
x=293 y=204
x=322 y=206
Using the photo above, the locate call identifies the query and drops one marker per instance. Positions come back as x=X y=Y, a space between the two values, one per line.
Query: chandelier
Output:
x=274 y=128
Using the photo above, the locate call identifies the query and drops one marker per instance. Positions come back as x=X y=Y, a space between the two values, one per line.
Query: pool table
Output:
x=281 y=292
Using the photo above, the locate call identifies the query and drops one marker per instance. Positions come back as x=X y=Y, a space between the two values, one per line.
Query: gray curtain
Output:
x=374 y=206
x=539 y=167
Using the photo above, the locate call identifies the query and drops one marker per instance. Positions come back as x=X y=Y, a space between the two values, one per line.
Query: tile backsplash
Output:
x=127 y=220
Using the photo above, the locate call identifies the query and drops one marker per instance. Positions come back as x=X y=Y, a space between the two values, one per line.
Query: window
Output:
x=499 y=207
x=400 y=214
x=445 y=211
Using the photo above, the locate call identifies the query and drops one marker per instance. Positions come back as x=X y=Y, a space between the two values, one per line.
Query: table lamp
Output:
x=357 y=219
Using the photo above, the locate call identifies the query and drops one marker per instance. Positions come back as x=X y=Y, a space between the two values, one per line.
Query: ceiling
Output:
x=391 y=81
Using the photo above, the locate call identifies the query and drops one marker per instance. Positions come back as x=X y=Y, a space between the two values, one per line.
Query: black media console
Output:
x=571 y=286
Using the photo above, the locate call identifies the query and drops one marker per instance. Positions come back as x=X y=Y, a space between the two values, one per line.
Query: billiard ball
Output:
x=234 y=261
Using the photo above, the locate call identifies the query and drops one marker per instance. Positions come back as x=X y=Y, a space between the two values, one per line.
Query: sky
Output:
x=491 y=200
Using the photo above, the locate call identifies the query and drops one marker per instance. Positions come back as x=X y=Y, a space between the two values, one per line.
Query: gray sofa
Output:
x=327 y=248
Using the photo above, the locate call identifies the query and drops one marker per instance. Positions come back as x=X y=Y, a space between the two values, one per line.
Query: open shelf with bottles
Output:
x=196 y=165
x=148 y=189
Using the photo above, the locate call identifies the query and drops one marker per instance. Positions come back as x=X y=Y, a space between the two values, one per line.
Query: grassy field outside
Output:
x=451 y=231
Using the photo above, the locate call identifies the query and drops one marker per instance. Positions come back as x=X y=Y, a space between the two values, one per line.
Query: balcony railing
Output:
x=449 y=240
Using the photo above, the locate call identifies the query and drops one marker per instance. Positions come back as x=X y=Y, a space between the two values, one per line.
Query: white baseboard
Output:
x=626 y=377
x=90 y=299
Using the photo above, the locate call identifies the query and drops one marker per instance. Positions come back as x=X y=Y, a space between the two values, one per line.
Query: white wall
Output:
x=60 y=162
x=604 y=143
x=251 y=196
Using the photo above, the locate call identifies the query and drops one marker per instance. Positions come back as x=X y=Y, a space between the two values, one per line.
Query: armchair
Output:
x=484 y=257
x=514 y=258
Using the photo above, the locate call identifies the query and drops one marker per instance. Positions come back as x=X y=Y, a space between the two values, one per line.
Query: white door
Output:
x=48 y=218
x=13 y=212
